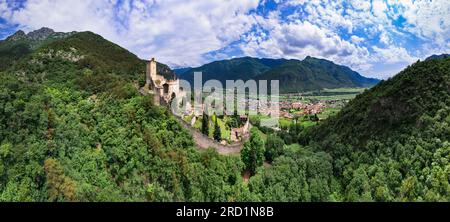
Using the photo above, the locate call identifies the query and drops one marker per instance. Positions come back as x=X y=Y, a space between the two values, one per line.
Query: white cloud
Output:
x=375 y=21
x=379 y=9
x=301 y=39
x=4 y=12
x=329 y=15
x=384 y=38
x=392 y=55
x=360 y=34
x=181 y=33
x=295 y=2
x=360 y=5
x=428 y=19
x=175 y=31
x=92 y=15
x=356 y=39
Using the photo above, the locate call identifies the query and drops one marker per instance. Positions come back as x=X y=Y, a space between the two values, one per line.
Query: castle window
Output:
x=166 y=88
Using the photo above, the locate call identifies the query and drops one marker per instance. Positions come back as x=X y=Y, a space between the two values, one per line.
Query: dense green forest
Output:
x=390 y=143
x=73 y=127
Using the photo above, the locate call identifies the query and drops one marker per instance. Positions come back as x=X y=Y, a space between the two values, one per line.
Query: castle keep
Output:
x=163 y=89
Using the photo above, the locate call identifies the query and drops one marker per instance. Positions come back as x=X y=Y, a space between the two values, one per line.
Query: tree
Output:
x=253 y=152
x=274 y=147
x=205 y=124
x=59 y=185
x=314 y=118
x=217 y=131
x=358 y=188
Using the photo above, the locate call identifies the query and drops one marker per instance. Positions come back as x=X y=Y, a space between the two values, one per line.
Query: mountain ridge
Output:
x=439 y=56
x=294 y=75
x=420 y=89
x=37 y=35
x=391 y=143
x=20 y=44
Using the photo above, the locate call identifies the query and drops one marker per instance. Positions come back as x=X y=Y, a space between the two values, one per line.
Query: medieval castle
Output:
x=163 y=89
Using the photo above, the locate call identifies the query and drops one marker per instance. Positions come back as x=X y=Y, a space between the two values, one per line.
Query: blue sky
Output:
x=376 y=38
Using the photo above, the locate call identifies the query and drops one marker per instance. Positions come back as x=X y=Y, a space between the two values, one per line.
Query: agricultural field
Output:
x=323 y=95
x=332 y=99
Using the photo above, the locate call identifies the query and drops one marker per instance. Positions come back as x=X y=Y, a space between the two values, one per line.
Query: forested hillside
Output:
x=294 y=75
x=314 y=74
x=240 y=68
x=392 y=142
x=20 y=44
x=74 y=128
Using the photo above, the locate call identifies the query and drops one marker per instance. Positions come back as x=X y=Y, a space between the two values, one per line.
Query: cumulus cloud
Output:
x=181 y=33
x=357 y=33
x=356 y=39
x=296 y=39
x=391 y=26
x=177 y=32
x=392 y=55
x=427 y=19
x=4 y=10
x=299 y=40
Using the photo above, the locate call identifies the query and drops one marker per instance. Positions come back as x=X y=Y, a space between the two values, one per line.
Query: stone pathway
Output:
x=203 y=142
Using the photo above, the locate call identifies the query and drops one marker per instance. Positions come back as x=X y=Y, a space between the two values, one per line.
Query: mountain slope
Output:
x=441 y=56
x=73 y=127
x=20 y=44
x=86 y=50
x=392 y=143
x=181 y=71
x=294 y=75
x=313 y=74
x=240 y=68
x=421 y=89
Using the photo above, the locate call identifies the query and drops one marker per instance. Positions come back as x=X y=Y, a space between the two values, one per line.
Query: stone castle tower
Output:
x=151 y=73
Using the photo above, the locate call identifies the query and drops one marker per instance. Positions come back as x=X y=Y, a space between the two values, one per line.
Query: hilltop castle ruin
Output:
x=163 y=89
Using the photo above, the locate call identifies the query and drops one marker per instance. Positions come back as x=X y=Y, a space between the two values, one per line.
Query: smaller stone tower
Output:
x=153 y=73
x=150 y=75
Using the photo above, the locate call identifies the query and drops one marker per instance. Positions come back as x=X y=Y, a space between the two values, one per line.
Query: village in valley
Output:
x=301 y=108
x=305 y=109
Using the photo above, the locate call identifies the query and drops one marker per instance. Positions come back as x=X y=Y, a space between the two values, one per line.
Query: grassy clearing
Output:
x=224 y=130
x=344 y=90
x=332 y=97
x=328 y=112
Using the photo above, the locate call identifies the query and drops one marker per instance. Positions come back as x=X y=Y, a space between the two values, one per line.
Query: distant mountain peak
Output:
x=40 y=34
x=310 y=59
x=35 y=35
x=17 y=36
x=441 y=56
x=21 y=44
